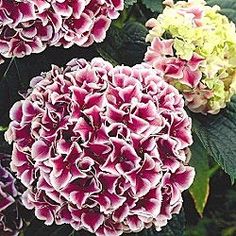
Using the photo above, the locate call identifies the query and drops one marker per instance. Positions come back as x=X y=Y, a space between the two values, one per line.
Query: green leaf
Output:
x=2 y=129
x=200 y=187
x=217 y=134
x=130 y=3
x=154 y=5
x=124 y=46
x=228 y=7
x=109 y=49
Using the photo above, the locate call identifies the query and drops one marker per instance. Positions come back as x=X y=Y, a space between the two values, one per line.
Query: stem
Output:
x=213 y=170
x=2 y=129
x=18 y=72
x=8 y=67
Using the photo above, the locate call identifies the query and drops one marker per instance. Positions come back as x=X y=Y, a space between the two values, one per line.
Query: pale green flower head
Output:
x=200 y=29
x=184 y=49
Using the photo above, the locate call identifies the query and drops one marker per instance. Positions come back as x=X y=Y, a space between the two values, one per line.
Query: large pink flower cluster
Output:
x=29 y=26
x=10 y=221
x=100 y=148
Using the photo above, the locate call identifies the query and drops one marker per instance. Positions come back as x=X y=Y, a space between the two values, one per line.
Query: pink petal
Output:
x=121 y=213
x=78 y=8
x=195 y=62
x=92 y=220
x=27 y=9
x=79 y=198
x=5 y=201
x=142 y=187
x=183 y=177
x=191 y=78
x=44 y=213
x=135 y=223
x=164 y=47
x=62 y=8
x=40 y=151
x=16 y=112
x=138 y=125
x=83 y=128
x=115 y=114
x=100 y=27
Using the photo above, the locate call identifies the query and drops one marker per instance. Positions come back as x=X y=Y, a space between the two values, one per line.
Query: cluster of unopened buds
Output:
x=195 y=47
x=29 y=26
x=102 y=148
x=10 y=219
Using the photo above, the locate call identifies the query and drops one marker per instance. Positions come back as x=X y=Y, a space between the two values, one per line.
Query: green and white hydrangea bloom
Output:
x=195 y=46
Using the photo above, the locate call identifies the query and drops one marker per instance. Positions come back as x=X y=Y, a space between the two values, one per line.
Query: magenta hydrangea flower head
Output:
x=29 y=26
x=10 y=220
x=102 y=148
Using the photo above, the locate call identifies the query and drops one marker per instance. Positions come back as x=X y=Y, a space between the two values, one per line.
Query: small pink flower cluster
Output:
x=29 y=26
x=161 y=56
x=102 y=148
x=184 y=75
x=10 y=221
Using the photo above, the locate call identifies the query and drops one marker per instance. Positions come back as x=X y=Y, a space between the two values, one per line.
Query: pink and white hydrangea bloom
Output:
x=194 y=46
x=102 y=148
x=10 y=221
x=29 y=26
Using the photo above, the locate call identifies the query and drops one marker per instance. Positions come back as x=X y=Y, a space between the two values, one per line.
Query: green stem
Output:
x=213 y=170
x=2 y=129
x=17 y=69
x=8 y=67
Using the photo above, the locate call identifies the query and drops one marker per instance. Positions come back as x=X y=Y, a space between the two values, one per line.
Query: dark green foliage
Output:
x=129 y=3
x=124 y=46
x=228 y=7
x=200 y=187
x=217 y=134
x=153 y=5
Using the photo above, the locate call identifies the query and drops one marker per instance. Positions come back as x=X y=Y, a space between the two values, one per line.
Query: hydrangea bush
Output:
x=10 y=220
x=195 y=46
x=29 y=26
x=102 y=148
x=103 y=145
